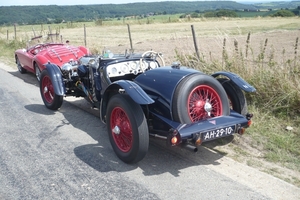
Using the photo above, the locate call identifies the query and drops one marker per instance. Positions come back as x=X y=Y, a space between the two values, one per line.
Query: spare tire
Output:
x=198 y=97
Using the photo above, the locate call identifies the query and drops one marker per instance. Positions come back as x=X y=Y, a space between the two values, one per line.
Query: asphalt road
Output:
x=67 y=155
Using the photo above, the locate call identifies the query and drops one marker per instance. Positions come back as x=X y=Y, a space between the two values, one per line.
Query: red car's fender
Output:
x=41 y=61
x=84 y=50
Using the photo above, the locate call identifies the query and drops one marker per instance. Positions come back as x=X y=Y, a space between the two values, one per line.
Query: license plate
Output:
x=218 y=133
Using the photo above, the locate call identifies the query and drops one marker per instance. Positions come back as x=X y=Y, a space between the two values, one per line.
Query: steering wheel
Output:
x=152 y=54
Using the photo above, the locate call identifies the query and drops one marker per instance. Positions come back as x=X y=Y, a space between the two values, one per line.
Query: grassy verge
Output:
x=7 y=48
x=274 y=136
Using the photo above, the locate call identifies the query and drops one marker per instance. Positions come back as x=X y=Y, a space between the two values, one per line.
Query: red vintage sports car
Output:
x=34 y=58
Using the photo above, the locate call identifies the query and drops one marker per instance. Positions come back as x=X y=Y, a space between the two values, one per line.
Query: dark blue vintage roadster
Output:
x=138 y=97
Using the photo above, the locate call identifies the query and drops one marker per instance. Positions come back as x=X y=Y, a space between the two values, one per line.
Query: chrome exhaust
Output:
x=190 y=147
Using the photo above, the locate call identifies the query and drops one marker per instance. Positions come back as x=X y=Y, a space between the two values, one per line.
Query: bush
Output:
x=221 y=13
x=283 y=13
x=99 y=22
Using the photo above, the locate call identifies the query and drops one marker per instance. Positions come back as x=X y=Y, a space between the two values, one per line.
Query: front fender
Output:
x=237 y=80
x=56 y=78
x=126 y=87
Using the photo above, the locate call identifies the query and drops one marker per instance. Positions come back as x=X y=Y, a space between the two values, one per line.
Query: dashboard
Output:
x=130 y=67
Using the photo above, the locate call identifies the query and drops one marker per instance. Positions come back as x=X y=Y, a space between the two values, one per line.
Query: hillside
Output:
x=278 y=5
x=42 y=14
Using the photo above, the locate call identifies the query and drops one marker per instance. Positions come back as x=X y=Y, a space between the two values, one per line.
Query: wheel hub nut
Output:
x=207 y=107
x=116 y=130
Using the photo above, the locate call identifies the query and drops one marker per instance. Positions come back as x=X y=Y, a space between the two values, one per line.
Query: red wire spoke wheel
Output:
x=127 y=128
x=50 y=99
x=121 y=129
x=204 y=102
x=48 y=90
x=197 y=97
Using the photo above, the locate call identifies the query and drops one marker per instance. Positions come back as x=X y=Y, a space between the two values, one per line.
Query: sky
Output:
x=89 y=2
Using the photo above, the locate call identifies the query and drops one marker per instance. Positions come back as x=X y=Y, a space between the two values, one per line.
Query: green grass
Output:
x=277 y=144
x=275 y=105
x=7 y=49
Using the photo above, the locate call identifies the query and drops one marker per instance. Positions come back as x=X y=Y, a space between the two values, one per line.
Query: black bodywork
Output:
x=153 y=87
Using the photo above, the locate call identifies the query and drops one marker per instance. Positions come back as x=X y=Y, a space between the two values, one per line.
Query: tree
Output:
x=221 y=13
x=283 y=13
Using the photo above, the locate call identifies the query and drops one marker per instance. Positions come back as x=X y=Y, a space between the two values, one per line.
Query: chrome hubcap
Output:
x=45 y=90
x=116 y=130
x=207 y=107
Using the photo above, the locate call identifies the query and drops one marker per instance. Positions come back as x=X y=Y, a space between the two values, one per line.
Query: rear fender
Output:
x=124 y=87
x=84 y=50
x=56 y=78
x=40 y=60
x=237 y=80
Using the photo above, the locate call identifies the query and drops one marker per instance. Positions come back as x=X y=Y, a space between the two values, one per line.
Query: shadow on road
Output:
x=40 y=109
x=27 y=77
x=159 y=160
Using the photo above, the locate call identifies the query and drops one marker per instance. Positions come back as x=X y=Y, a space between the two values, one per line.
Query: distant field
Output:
x=167 y=33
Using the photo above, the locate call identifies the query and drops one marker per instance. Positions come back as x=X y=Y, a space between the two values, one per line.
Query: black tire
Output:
x=37 y=72
x=125 y=116
x=236 y=96
x=20 y=68
x=191 y=95
x=51 y=100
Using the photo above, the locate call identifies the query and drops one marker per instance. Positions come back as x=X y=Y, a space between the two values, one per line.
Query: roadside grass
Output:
x=271 y=66
x=275 y=105
x=7 y=49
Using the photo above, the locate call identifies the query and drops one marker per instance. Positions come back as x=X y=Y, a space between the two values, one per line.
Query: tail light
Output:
x=249 y=122
x=241 y=130
x=174 y=140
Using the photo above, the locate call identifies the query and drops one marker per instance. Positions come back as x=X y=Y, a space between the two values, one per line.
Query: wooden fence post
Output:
x=84 y=35
x=15 y=30
x=195 y=42
x=33 y=32
x=50 y=33
x=130 y=37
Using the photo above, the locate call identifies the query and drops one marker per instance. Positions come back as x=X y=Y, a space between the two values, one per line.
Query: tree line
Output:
x=45 y=14
x=56 y=14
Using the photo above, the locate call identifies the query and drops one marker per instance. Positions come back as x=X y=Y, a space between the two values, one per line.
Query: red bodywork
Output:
x=56 y=53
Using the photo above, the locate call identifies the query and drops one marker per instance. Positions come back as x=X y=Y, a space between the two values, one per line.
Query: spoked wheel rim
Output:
x=37 y=73
x=121 y=129
x=48 y=90
x=204 y=102
x=19 y=65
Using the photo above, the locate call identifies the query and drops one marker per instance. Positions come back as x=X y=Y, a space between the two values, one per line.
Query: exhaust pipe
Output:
x=190 y=147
